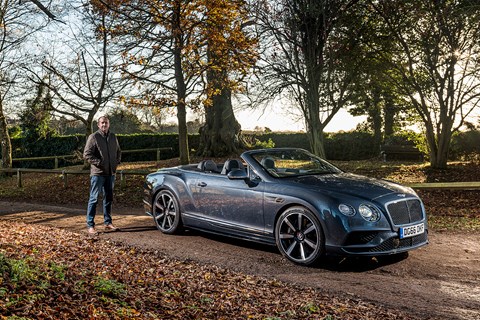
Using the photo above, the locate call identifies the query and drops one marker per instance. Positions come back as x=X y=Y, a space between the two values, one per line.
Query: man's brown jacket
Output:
x=103 y=153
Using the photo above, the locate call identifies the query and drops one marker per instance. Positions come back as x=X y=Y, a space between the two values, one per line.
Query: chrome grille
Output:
x=405 y=212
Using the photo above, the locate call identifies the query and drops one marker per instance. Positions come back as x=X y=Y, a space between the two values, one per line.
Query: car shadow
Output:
x=330 y=263
x=359 y=264
x=134 y=229
x=232 y=241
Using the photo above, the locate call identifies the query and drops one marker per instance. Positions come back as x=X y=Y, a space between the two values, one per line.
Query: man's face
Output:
x=103 y=125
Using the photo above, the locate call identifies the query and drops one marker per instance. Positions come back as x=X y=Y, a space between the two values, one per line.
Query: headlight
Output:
x=369 y=213
x=346 y=210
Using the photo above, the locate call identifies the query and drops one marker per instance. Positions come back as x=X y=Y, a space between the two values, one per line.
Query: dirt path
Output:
x=440 y=281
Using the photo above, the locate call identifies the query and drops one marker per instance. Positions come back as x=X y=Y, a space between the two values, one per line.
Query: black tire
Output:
x=299 y=236
x=166 y=213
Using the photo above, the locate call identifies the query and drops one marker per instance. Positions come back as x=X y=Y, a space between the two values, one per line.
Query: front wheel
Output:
x=166 y=213
x=299 y=236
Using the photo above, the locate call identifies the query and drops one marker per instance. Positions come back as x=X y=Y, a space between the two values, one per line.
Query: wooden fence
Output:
x=56 y=158
x=64 y=174
x=474 y=185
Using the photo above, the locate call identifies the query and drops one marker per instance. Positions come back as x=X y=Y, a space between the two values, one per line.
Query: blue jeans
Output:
x=105 y=185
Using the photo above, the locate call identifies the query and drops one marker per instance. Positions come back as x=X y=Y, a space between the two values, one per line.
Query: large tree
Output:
x=435 y=62
x=82 y=76
x=160 y=42
x=17 y=23
x=231 y=53
x=311 y=57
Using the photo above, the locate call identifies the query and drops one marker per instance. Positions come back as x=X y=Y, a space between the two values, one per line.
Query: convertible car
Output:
x=290 y=198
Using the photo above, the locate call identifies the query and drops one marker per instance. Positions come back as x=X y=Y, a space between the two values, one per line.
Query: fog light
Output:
x=346 y=210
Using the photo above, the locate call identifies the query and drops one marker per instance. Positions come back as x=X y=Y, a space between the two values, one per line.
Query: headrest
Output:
x=231 y=164
x=208 y=165
x=268 y=163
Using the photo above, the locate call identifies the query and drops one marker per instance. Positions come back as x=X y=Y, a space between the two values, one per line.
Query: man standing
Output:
x=103 y=153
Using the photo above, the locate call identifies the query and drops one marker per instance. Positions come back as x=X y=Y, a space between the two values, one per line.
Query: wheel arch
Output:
x=319 y=216
x=168 y=183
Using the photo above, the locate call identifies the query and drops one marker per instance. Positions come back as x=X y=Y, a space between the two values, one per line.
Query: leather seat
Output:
x=208 y=166
x=268 y=163
x=231 y=164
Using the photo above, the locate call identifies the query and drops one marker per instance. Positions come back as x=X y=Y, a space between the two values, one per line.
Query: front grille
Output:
x=405 y=212
x=361 y=237
x=392 y=243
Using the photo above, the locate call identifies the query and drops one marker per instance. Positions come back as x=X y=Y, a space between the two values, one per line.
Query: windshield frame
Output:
x=289 y=162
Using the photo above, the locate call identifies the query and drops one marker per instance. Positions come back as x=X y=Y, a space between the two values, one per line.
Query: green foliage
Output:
x=58 y=271
x=124 y=122
x=312 y=307
x=35 y=119
x=350 y=146
x=408 y=138
x=14 y=132
x=4 y=265
x=22 y=271
x=110 y=287
x=263 y=144
x=52 y=146
x=465 y=145
x=353 y=145
x=283 y=140
x=147 y=141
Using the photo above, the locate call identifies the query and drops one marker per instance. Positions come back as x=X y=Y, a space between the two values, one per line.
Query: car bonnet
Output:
x=351 y=184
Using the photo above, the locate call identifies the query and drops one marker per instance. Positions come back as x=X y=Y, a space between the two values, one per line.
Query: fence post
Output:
x=122 y=180
x=19 y=178
x=65 y=181
x=158 y=154
x=56 y=162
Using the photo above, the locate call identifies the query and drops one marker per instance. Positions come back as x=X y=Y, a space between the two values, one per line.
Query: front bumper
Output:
x=378 y=243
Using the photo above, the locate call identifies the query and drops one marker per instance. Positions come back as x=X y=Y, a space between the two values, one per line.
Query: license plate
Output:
x=412 y=231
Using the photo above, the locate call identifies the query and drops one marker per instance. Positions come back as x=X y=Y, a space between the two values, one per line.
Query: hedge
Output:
x=338 y=146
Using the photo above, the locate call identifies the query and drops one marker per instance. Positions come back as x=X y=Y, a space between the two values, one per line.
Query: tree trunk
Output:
x=182 y=133
x=444 y=139
x=5 y=141
x=221 y=135
x=181 y=87
x=438 y=146
x=376 y=115
x=389 y=116
x=315 y=133
x=317 y=140
x=311 y=113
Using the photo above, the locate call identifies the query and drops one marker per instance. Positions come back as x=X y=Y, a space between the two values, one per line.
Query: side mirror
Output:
x=237 y=174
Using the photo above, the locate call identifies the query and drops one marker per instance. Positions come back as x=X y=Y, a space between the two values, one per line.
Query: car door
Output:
x=233 y=206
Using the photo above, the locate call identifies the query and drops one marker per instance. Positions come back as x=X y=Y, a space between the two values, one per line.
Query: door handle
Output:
x=202 y=184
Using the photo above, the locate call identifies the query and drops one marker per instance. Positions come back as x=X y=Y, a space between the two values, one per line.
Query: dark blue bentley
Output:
x=292 y=199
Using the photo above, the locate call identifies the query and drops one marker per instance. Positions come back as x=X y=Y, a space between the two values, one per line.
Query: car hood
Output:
x=352 y=184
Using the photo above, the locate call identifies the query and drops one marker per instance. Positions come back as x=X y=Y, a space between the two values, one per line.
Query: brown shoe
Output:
x=92 y=231
x=111 y=227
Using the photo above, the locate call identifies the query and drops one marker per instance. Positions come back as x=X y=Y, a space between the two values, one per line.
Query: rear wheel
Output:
x=166 y=213
x=299 y=236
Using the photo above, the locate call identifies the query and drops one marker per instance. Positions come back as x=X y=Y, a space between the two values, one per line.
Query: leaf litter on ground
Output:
x=65 y=275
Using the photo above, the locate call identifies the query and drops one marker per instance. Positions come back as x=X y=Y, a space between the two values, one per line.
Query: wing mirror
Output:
x=237 y=174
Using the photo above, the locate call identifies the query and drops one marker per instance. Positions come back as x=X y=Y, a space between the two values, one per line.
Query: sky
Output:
x=284 y=120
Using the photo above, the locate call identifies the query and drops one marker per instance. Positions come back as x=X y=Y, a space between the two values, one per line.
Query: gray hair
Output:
x=102 y=117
